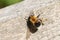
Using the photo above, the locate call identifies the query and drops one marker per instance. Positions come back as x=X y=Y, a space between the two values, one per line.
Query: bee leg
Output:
x=42 y=23
x=25 y=18
x=43 y=20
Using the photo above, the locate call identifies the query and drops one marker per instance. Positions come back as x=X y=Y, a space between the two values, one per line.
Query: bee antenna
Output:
x=38 y=15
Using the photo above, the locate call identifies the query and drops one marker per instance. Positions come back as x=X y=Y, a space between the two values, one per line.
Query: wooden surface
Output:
x=13 y=25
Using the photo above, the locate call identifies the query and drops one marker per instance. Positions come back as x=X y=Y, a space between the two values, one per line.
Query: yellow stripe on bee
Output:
x=33 y=19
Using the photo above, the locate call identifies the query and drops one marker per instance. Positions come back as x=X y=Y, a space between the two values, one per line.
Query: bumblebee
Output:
x=33 y=22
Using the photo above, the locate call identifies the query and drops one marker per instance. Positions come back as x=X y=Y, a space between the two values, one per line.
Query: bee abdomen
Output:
x=31 y=27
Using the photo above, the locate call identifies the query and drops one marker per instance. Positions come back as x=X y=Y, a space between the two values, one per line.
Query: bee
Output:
x=33 y=22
